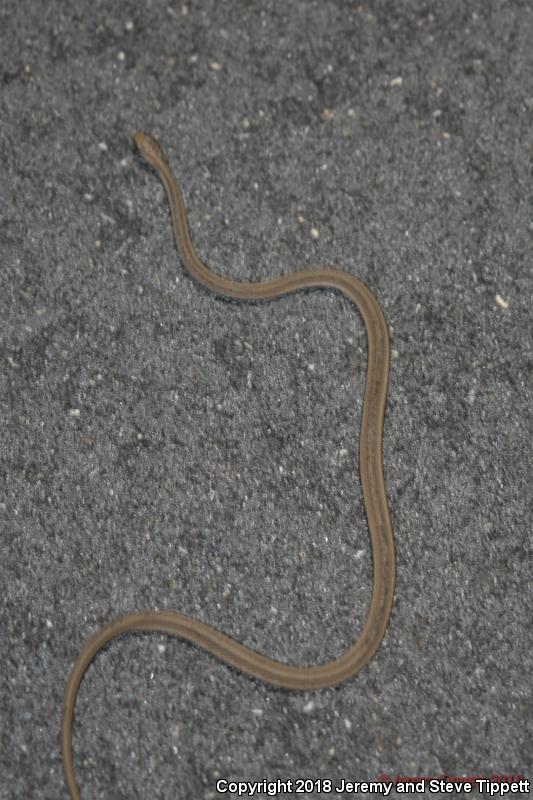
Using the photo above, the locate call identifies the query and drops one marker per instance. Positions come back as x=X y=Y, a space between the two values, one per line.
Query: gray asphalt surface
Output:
x=163 y=448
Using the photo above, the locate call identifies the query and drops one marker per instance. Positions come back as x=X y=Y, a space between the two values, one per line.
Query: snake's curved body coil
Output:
x=371 y=473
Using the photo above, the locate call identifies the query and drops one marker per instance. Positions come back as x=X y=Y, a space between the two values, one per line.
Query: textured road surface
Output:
x=162 y=448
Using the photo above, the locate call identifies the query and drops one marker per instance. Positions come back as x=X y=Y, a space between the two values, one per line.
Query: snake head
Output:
x=149 y=148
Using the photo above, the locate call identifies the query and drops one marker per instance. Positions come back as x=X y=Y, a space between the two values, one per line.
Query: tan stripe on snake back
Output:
x=213 y=641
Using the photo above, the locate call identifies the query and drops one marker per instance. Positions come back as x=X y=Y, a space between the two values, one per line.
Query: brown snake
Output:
x=371 y=472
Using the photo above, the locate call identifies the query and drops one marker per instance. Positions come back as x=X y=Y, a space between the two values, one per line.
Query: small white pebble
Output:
x=258 y=712
x=98 y=243
x=501 y=302
x=359 y=554
x=184 y=10
x=215 y=66
x=308 y=707
x=343 y=452
x=348 y=724
x=445 y=135
x=103 y=147
x=49 y=623
x=395 y=354
x=311 y=367
x=396 y=81
x=74 y=412
x=129 y=25
x=315 y=233
x=87 y=197
x=121 y=56
x=161 y=648
x=300 y=219
x=246 y=123
x=281 y=470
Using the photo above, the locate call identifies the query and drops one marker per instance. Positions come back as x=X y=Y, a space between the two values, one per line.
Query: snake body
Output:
x=371 y=474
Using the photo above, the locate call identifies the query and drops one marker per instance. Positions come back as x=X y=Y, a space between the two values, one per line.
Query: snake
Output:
x=227 y=649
